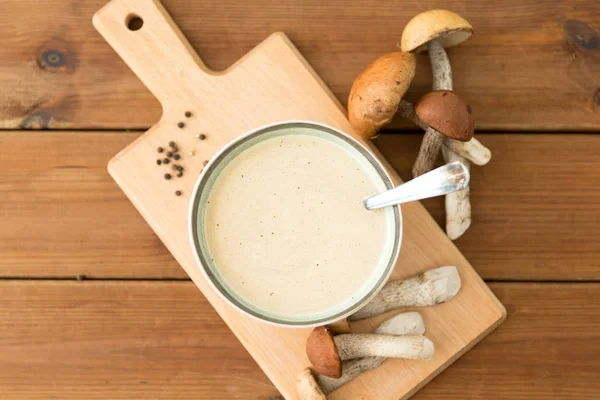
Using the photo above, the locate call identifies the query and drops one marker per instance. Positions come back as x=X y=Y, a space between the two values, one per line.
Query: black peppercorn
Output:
x=180 y=124
x=188 y=114
x=160 y=149
x=169 y=154
x=178 y=193
x=202 y=136
x=179 y=174
x=176 y=156
x=158 y=162
x=167 y=176
x=171 y=144
x=166 y=161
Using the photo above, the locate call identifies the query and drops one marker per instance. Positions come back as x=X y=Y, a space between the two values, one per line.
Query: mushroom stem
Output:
x=472 y=150
x=307 y=387
x=440 y=66
x=430 y=148
x=426 y=289
x=458 y=204
x=357 y=345
x=409 y=323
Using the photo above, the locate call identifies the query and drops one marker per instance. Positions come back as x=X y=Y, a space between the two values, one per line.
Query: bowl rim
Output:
x=194 y=209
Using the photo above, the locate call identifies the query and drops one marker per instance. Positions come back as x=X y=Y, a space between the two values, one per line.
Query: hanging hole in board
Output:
x=134 y=23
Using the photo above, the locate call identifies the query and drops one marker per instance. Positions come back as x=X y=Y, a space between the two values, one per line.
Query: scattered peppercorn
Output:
x=167 y=176
x=176 y=156
x=160 y=149
x=158 y=162
x=171 y=144
x=179 y=174
x=175 y=149
x=180 y=124
x=178 y=193
x=166 y=161
x=202 y=136
x=169 y=154
x=188 y=114
x=175 y=167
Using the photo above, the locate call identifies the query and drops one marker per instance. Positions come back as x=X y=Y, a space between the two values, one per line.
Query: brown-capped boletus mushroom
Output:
x=326 y=352
x=377 y=91
x=449 y=116
x=408 y=323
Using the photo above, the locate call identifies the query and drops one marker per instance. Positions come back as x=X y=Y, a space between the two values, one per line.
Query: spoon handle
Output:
x=443 y=180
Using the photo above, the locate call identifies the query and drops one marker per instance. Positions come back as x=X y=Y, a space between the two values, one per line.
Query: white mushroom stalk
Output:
x=458 y=204
x=409 y=323
x=472 y=150
x=307 y=387
x=426 y=289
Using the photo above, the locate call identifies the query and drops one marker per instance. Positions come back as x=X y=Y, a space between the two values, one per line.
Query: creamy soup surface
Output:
x=287 y=230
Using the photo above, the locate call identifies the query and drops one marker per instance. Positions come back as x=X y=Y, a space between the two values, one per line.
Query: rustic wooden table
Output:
x=93 y=306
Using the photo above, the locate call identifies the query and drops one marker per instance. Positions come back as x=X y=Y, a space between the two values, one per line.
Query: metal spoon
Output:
x=446 y=179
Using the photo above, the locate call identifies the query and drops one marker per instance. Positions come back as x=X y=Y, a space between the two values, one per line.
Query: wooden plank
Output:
x=162 y=340
x=56 y=188
x=61 y=215
x=547 y=348
x=531 y=65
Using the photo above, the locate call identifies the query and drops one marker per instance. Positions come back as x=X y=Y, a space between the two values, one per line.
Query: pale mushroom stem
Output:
x=440 y=66
x=472 y=150
x=427 y=289
x=307 y=386
x=409 y=323
x=430 y=148
x=358 y=345
x=458 y=205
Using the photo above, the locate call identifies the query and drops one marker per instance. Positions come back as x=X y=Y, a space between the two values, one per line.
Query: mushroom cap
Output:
x=444 y=111
x=323 y=353
x=451 y=28
x=377 y=91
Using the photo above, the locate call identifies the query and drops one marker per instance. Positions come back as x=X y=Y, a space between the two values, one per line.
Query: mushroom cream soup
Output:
x=285 y=227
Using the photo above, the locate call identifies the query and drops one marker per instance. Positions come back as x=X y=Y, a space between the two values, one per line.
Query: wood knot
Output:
x=40 y=119
x=580 y=36
x=54 y=56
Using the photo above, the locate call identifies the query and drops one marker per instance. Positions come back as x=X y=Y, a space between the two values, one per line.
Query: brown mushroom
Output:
x=377 y=91
x=408 y=323
x=326 y=352
x=449 y=116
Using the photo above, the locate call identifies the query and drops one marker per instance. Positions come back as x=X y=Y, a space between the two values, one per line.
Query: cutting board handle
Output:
x=143 y=33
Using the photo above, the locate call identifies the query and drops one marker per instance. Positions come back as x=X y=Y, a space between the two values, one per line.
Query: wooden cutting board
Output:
x=271 y=83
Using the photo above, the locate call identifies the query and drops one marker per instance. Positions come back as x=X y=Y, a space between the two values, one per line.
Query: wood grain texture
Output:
x=57 y=188
x=531 y=65
x=269 y=84
x=62 y=216
x=162 y=340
